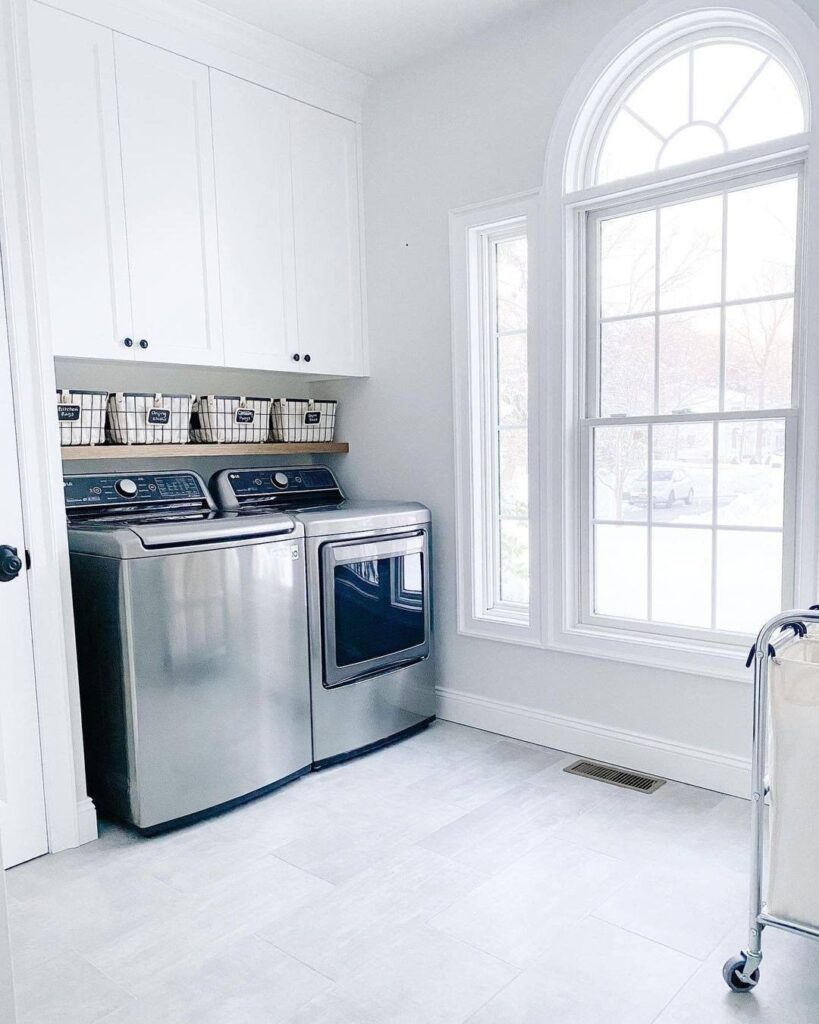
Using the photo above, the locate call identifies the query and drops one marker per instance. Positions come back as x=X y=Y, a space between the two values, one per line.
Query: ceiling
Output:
x=373 y=36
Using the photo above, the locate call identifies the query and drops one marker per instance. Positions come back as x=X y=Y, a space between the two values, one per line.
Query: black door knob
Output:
x=143 y=343
x=128 y=343
x=307 y=358
x=10 y=563
x=296 y=357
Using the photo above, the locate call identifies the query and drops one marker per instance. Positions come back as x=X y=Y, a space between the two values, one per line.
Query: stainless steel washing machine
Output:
x=372 y=677
x=192 y=645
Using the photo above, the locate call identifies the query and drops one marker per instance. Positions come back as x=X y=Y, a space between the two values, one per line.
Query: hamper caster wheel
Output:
x=731 y=972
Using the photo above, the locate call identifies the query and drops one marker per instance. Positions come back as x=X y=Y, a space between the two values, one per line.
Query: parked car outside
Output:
x=670 y=484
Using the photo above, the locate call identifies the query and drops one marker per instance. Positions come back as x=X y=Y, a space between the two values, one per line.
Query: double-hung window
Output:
x=491 y=312
x=691 y=420
x=687 y=470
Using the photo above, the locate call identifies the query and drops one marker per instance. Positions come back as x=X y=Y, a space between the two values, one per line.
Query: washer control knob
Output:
x=127 y=488
x=280 y=479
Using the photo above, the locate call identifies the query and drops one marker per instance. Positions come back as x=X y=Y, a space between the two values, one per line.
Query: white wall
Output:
x=463 y=126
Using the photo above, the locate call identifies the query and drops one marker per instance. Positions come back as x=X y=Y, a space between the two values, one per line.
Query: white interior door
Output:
x=22 y=802
x=170 y=204
x=7 y=1011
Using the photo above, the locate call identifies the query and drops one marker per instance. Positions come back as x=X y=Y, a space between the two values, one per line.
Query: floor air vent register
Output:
x=615 y=776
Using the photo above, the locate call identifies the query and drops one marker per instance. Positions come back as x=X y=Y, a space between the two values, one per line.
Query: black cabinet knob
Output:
x=307 y=357
x=128 y=343
x=10 y=563
x=296 y=357
x=143 y=343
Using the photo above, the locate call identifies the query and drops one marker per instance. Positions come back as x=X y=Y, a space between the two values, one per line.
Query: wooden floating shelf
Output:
x=186 y=451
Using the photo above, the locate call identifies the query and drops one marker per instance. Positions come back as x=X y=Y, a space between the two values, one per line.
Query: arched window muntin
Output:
x=653 y=49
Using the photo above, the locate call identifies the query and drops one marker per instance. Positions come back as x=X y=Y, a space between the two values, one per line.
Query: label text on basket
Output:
x=245 y=415
x=68 y=412
x=155 y=416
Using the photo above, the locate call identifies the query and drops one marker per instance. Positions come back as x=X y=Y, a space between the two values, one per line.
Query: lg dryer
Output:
x=192 y=645
x=368 y=564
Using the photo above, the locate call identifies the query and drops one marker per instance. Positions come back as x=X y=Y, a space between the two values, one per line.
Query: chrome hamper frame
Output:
x=742 y=973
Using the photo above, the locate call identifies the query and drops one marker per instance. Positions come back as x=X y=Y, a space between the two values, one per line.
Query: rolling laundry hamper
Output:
x=785 y=864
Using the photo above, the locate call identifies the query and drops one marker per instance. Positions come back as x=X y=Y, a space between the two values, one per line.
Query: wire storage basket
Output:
x=81 y=415
x=230 y=419
x=303 y=419
x=144 y=418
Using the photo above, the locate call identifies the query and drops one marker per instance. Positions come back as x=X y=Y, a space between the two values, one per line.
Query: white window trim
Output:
x=476 y=616
x=561 y=241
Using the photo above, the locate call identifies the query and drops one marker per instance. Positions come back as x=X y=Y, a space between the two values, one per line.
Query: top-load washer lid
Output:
x=312 y=495
x=146 y=513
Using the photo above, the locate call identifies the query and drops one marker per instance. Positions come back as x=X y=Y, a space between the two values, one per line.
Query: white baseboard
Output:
x=681 y=762
x=86 y=821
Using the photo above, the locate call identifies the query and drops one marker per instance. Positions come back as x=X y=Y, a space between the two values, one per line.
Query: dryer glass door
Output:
x=375 y=606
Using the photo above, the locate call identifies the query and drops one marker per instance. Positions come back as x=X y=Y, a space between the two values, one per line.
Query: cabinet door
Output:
x=75 y=109
x=251 y=145
x=170 y=206
x=328 y=252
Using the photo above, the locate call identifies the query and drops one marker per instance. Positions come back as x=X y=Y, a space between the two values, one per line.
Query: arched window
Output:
x=684 y=364
x=706 y=97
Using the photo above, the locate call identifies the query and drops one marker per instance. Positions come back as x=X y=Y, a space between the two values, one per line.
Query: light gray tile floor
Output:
x=458 y=876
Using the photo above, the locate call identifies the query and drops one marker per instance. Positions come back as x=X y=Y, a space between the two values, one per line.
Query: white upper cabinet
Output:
x=327 y=244
x=86 y=262
x=191 y=216
x=251 y=145
x=170 y=204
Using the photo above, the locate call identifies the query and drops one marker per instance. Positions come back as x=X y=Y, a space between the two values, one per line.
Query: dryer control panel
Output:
x=293 y=486
x=143 y=489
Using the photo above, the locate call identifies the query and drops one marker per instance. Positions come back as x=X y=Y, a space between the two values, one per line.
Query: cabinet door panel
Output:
x=75 y=109
x=251 y=144
x=328 y=252
x=170 y=206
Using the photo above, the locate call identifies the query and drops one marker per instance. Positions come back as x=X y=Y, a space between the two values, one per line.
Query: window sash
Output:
x=588 y=615
x=649 y=199
x=487 y=476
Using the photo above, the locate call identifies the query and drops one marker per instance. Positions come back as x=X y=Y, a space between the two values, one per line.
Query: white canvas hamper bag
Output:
x=793 y=881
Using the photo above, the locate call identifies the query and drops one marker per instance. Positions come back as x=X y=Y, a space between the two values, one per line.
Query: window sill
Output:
x=502 y=630
x=714 y=661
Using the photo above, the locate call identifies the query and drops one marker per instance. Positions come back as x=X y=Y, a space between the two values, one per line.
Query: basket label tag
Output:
x=161 y=416
x=312 y=418
x=68 y=412
x=245 y=415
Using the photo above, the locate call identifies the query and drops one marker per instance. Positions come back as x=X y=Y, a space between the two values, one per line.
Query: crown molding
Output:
x=195 y=30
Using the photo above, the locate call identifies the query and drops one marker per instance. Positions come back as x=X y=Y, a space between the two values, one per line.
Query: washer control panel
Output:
x=135 y=489
x=290 y=487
